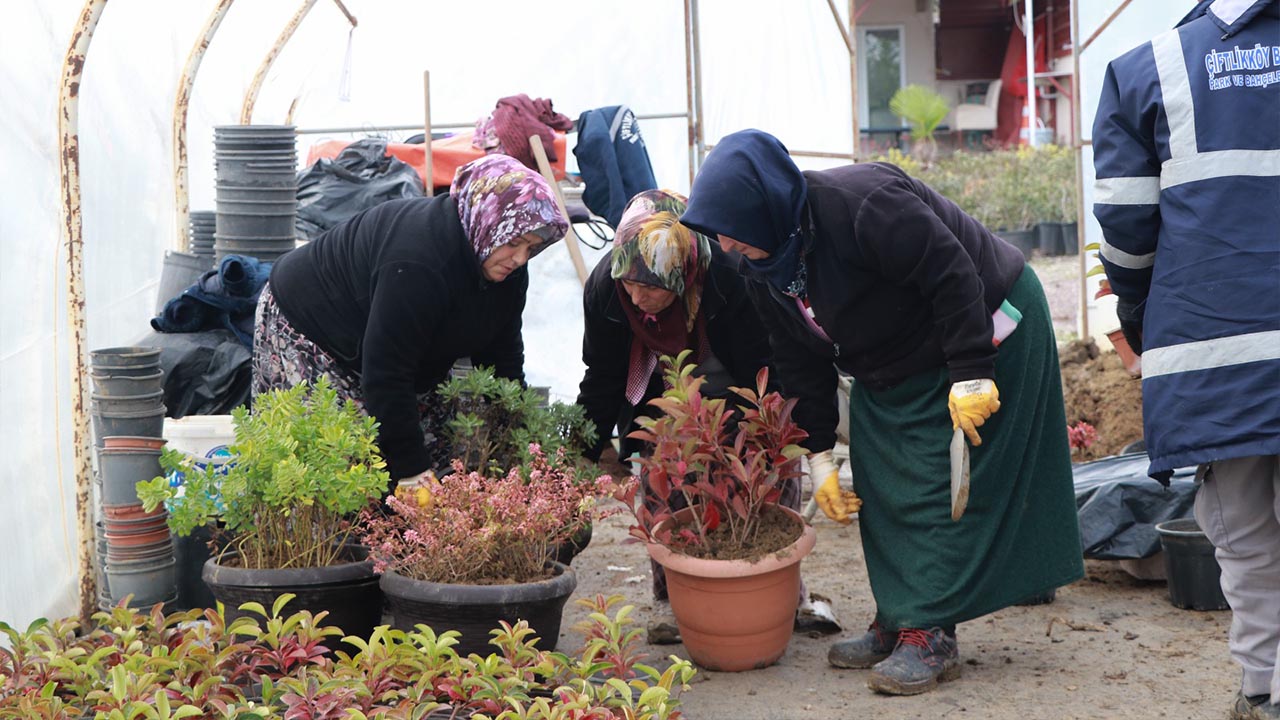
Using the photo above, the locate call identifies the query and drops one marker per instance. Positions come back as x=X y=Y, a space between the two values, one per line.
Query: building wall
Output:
x=917 y=28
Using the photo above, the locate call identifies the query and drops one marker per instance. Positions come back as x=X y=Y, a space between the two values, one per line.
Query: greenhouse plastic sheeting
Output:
x=1119 y=506
x=791 y=53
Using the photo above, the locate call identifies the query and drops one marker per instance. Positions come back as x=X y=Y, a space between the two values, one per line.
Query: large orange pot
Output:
x=735 y=614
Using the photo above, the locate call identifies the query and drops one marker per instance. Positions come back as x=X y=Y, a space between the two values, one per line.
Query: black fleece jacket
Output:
x=899 y=278
x=734 y=332
x=397 y=296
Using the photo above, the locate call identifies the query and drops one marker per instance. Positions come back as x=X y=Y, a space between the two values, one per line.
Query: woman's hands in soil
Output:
x=835 y=503
x=971 y=403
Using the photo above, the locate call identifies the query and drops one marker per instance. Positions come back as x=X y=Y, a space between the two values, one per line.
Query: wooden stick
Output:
x=571 y=238
x=430 y=188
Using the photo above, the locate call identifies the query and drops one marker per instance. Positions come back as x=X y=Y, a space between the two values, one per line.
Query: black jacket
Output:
x=734 y=332
x=396 y=295
x=899 y=278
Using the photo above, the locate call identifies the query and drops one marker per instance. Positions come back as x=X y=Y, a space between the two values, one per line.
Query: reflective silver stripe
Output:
x=1119 y=257
x=1208 y=354
x=1229 y=11
x=1127 y=191
x=1220 y=163
x=1175 y=87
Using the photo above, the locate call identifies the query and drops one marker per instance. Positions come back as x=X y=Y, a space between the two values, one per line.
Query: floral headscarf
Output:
x=653 y=248
x=499 y=199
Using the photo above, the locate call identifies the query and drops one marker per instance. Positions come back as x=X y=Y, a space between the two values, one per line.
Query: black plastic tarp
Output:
x=205 y=373
x=361 y=176
x=1119 y=506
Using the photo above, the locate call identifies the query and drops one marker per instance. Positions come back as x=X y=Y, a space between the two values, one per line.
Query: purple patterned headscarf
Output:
x=499 y=199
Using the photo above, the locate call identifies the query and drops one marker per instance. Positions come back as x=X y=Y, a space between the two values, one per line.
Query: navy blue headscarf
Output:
x=750 y=190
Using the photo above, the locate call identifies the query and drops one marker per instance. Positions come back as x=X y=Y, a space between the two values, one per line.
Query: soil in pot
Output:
x=777 y=530
x=348 y=591
x=474 y=610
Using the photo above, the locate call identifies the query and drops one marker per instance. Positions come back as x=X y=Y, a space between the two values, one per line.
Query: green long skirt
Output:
x=1019 y=536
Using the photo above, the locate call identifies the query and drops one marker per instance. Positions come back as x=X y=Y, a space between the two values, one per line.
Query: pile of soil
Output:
x=775 y=531
x=1098 y=390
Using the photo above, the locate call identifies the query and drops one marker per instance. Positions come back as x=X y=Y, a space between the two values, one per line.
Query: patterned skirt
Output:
x=283 y=357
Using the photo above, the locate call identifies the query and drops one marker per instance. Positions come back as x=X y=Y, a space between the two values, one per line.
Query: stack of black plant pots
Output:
x=203 y=226
x=257 y=189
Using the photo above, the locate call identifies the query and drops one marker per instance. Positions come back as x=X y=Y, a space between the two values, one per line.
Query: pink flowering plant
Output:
x=1081 y=436
x=479 y=530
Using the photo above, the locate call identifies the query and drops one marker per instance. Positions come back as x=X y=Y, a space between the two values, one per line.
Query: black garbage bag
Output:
x=1119 y=506
x=362 y=175
x=205 y=373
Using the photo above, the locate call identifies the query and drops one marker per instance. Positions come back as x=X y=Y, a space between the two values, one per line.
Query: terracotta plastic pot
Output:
x=133 y=442
x=735 y=615
x=162 y=549
x=142 y=539
x=132 y=511
x=474 y=610
x=1131 y=361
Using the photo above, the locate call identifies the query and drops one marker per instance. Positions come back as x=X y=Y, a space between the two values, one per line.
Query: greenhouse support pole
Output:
x=1030 y=33
x=251 y=95
x=1082 y=326
x=691 y=119
x=73 y=238
x=427 y=159
x=181 y=105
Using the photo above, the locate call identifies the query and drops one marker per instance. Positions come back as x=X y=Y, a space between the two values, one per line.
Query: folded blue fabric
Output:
x=223 y=298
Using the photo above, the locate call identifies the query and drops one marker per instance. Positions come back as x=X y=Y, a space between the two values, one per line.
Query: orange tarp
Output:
x=447 y=155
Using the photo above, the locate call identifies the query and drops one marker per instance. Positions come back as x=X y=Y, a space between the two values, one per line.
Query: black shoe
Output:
x=1254 y=707
x=922 y=659
x=863 y=652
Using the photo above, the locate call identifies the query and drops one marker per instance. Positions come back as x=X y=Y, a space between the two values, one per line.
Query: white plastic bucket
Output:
x=205 y=436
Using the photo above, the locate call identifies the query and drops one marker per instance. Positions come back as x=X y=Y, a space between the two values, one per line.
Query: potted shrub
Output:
x=732 y=557
x=477 y=554
x=305 y=464
x=495 y=420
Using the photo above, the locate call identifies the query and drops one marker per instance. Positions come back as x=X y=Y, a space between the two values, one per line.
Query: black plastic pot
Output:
x=569 y=549
x=1049 y=239
x=474 y=610
x=1070 y=241
x=348 y=591
x=1024 y=240
x=192 y=552
x=1192 y=570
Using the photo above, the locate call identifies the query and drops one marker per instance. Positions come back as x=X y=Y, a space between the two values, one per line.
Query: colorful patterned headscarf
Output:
x=653 y=248
x=499 y=199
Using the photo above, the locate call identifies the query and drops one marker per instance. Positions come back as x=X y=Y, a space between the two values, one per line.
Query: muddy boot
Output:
x=1254 y=707
x=863 y=652
x=922 y=659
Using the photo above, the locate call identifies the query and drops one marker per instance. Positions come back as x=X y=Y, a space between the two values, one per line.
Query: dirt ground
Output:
x=1135 y=656
x=1146 y=658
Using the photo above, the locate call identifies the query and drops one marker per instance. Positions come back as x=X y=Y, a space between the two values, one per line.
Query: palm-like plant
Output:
x=924 y=110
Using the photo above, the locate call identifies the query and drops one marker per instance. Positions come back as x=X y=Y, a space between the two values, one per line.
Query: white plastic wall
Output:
x=777 y=66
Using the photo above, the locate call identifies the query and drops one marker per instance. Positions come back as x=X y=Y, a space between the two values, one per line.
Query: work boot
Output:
x=1254 y=707
x=863 y=652
x=921 y=660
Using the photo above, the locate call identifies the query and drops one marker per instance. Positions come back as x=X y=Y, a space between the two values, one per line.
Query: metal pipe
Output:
x=1105 y=23
x=1029 y=31
x=1082 y=322
x=699 y=123
x=181 y=104
x=429 y=188
x=444 y=126
x=251 y=95
x=350 y=18
x=853 y=80
x=73 y=238
x=688 y=94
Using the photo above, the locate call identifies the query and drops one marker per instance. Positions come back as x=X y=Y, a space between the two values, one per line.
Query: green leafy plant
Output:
x=922 y=108
x=304 y=462
x=494 y=420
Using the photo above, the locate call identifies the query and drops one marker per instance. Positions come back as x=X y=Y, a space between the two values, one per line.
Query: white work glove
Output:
x=836 y=503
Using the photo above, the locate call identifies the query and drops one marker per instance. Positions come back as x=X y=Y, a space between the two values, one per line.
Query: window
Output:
x=881 y=74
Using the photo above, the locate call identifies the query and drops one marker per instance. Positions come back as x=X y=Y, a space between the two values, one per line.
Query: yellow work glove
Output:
x=836 y=504
x=416 y=490
x=971 y=403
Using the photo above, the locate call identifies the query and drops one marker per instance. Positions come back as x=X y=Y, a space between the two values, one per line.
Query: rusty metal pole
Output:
x=181 y=104
x=69 y=174
x=699 y=126
x=691 y=120
x=251 y=96
x=429 y=188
